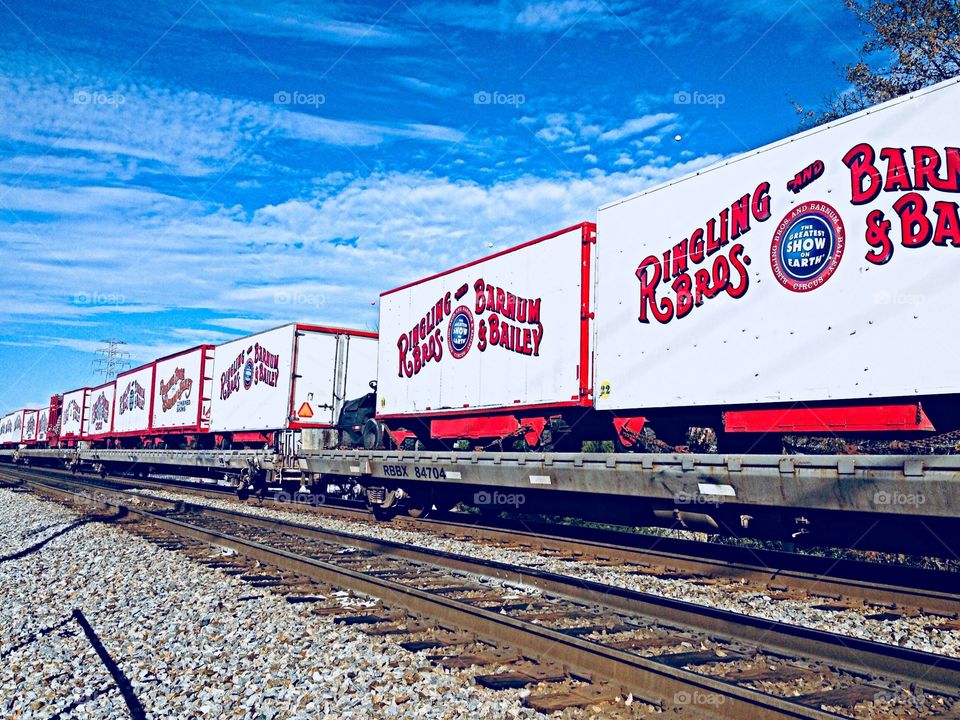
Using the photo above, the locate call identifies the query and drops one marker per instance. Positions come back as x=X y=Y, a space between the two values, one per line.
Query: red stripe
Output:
x=855 y=418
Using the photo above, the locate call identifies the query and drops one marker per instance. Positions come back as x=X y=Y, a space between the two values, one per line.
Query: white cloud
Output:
x=283 y=262
x=327 y=23
x=552 y=16
x=129 y=128
x=546 y=16
x=637 y=126
x=427 y=88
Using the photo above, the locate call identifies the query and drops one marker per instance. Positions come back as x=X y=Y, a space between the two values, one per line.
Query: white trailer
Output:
x=73 y=415
x=7 y=436
x=292 y=377
x=31 y=425
x=181 y=391
x=133 y=409
x=43 y=424
x=819 y=268
x=510 y=333
x=99 y=422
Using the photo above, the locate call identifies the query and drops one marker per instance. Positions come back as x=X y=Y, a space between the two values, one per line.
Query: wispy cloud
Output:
x=128 y=128
x=637 y=126
x=332 y=23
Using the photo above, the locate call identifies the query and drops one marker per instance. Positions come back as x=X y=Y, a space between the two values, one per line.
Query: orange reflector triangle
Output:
x=305 y=411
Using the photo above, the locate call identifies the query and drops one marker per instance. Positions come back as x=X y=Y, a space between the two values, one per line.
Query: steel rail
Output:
x=931 y=591
x=647 y=679
x=937 y=672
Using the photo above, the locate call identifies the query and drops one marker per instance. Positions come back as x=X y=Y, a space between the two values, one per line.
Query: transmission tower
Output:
x=112 y=359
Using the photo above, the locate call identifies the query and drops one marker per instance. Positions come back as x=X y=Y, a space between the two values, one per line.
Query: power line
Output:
x=112 y=360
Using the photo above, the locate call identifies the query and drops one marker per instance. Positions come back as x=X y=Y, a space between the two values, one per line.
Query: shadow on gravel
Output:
x=121 y=513
x=36 y=636
x=123 y=684
x=119 y=679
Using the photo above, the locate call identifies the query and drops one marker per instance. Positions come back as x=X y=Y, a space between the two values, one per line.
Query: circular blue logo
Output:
x=248 y=375
x=807 y=246
x=460 y=332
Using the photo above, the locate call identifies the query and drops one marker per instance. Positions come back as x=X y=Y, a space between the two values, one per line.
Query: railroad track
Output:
x=835 y=584
x=667 y=653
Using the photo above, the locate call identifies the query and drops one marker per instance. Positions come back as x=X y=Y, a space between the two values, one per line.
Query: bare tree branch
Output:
x=910 y=44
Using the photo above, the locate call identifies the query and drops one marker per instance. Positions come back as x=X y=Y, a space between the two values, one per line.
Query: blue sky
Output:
x=190 y=171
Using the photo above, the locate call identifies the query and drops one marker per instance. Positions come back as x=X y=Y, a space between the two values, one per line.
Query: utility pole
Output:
x=112 y=360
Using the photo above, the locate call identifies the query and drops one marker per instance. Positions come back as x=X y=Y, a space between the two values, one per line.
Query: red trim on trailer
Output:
x=295 y=350
x=585 y=370
x=53 y=419
x=854 y=418
x=246 y=437
x=466 y=411
x=130 y=433
x=153 y=393
x=310 y=426
x=337 y=331
x=36 y=427
x=182 y=352
x=90 y=394
x=153 y=398
x=474 y=428
x=197 y=427
x=83 y=413
x=488 y=257
x=205 y=382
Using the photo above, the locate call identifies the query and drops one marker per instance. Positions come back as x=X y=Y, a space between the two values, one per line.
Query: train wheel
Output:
x=382 y=514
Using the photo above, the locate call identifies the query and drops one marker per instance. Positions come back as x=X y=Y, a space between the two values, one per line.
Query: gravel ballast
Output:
x=192 y=641
x=918 y=633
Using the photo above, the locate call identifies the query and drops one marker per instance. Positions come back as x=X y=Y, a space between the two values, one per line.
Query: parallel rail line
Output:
x=889 y=588
x=388 y=569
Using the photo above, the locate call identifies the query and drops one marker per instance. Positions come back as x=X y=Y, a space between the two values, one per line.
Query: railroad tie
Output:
x=578 y=697
x=843 y=697
x=698 y=657
x=523 y=676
